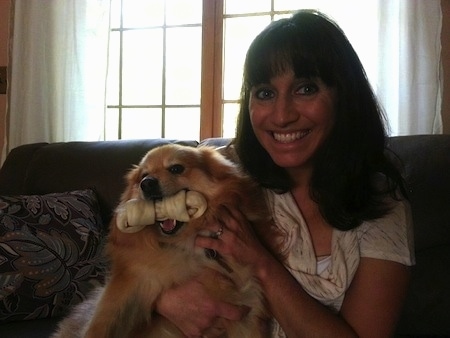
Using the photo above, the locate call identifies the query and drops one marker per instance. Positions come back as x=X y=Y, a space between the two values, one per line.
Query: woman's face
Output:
x=291 y=118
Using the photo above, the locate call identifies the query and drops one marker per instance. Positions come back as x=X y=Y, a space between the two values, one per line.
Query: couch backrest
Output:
x=43 y=168
x=426 y=160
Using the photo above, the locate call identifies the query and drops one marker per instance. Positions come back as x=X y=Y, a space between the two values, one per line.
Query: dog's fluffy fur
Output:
x=145 y=263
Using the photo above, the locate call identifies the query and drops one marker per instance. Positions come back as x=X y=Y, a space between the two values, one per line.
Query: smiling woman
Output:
x=311 y=132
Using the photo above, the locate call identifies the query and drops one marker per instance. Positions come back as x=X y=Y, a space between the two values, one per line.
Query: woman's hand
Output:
x=237 y=239
x=194 y=311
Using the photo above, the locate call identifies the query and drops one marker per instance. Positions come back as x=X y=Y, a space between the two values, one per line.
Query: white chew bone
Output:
x=136 y=214
x=183 y=206
x=173 y=207
x=196 y=204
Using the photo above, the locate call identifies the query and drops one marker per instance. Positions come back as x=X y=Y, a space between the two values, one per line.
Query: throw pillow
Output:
x=50 y=253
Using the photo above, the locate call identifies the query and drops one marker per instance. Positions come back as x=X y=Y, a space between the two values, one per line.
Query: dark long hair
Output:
x=355 y=153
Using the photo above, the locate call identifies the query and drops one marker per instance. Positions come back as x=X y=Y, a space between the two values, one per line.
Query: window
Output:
x=175 y=66
x=154 y=74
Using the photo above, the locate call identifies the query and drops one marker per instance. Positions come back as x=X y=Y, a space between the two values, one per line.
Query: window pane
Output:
x=230 y=113
x=183 y=65
x=112 y=92
x=142 y=66
x=143 y=13
x=180 y=12
x=240 y=6
x=115 y=13
x=349 y=15
x=282 y=16
x=183 y=123
x=141 y=123
x=286 y=5
x=238 y=33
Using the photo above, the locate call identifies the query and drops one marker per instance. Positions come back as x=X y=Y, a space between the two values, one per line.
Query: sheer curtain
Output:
x=409 y=74
x=58 y=61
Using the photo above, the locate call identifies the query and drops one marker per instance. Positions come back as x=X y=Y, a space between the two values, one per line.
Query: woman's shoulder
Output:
x=390 y=236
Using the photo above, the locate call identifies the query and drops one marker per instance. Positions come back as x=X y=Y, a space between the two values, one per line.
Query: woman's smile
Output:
x=290 y=137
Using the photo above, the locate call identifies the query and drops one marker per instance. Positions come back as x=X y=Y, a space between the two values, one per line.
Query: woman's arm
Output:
x=375 y=299
x=371 y=307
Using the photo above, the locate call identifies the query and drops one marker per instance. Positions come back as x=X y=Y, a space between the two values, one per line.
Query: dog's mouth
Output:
x=170 y=226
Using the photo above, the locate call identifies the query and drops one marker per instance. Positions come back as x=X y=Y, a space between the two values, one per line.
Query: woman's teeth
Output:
x=286 y=138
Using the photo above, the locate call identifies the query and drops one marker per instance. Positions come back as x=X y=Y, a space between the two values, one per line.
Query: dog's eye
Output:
x=176 y=169
x=144 y=175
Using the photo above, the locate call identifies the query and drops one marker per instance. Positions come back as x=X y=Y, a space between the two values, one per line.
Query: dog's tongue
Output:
x=168 y=225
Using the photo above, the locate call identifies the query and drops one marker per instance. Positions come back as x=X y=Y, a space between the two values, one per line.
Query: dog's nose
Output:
x=150 y=188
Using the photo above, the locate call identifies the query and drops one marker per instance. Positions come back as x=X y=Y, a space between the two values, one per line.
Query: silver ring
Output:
x=219 y=232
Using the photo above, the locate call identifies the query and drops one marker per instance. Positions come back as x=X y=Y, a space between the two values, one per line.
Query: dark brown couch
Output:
x=41 y=168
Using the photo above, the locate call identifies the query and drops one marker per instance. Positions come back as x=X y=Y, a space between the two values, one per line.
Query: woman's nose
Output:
x=284 y=111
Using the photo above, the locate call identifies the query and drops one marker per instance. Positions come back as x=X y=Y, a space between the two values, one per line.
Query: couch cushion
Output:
x=50 y=253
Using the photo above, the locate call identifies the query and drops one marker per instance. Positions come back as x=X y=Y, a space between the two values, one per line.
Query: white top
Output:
x=389 y=238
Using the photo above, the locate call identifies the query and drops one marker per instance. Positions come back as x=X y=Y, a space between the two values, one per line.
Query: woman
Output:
x=312 y=133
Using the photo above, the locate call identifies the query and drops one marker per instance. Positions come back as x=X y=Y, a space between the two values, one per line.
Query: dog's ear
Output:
x=132 y=180
x=216 y=164
x=133 y=175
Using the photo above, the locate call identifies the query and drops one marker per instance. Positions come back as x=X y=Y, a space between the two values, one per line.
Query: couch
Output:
x=56 y=200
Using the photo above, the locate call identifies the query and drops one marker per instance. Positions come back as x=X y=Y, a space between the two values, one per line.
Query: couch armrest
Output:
x=14 y=171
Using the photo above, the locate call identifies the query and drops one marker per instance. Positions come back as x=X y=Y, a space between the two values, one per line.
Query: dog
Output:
x=147 y=262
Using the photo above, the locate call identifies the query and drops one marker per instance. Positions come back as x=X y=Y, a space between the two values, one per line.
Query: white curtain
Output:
x=410 y=74
x=58 y=62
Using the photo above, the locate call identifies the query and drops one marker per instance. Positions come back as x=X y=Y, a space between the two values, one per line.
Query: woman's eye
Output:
x=307 y=89
x=264 y=94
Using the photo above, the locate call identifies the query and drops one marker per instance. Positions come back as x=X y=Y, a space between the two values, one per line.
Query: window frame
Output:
x=211 y=77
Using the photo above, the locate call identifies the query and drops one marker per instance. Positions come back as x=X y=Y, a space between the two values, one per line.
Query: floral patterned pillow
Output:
x=50 y=253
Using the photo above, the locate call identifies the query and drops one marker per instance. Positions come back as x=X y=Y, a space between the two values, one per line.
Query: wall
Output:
x=445 y=39
x=4 y=15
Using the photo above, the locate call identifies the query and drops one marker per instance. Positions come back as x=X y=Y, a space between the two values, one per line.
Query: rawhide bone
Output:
x=136 y=214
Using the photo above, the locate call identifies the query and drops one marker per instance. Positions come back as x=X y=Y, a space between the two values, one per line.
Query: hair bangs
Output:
x=283 y=52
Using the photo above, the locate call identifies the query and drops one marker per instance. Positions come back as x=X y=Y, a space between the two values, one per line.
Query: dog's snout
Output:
x=150 y=188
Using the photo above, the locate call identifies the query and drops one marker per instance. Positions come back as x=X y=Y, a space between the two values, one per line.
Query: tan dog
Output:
x=147 y=262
